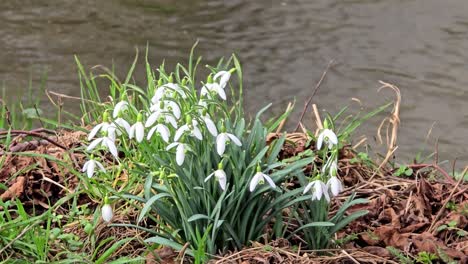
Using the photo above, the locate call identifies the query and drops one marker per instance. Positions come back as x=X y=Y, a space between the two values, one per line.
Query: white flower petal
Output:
x=254 y=182
x=222 y=183
x=152 y=118
x=94 y=131
x=90 y=170
x=331 y=136
x=221 y=176
x=175 y=108
x=335 y=185
x=123 y=123
x=107 y=213
x=221 y=143
x=320 y=141
x=120 y=106
x=270 y=181
x=111 y=146
x=318 y=190
x=139 y=130
x=180 y=154
x=85 y=166
x=172 y=145
x=94 y=143
x=307 y=188
x=180 y=132
x=163 y=131
x=132 y=131
x=221 y=93
x=150 y=133
x=234 y=139
x=210 y=125
x=197 y=133
x=171 y=120
x=209 y=177
x=100 y=166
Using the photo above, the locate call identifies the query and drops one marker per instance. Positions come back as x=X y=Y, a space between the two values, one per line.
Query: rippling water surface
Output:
x=419 y=45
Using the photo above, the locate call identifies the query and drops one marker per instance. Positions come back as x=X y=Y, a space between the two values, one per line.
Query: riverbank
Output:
x=176 y=172
x=415 y=214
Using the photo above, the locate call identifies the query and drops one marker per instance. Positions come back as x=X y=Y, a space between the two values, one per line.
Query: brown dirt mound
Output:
x=38 y=171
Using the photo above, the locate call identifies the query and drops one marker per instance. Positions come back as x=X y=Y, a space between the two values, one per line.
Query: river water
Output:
x=419 y=45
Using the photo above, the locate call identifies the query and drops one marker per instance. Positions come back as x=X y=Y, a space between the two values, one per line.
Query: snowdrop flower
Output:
x=221 y=140
x=119 y=107
x=332 y=168
x=259 y=178
x=180 y=151
x=163 y=88
x=208 y=88
x=90 y=165
x=224 y=78
x=192 y=127
x=220 y=175
x=137 y=130
x=162 y=130
x=106 y=142
x=105 y=126
x=319 y=189
x=210 y=125
x=167 y=105
x=335 y=185
x=328 y=136
x=106 y=212
x=166 y=118
x=121 y=123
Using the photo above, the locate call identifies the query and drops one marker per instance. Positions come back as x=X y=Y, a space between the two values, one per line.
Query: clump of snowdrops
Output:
x=209 y=177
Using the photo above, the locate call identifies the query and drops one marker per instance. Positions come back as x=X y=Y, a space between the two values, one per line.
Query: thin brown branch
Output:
x=317 y=86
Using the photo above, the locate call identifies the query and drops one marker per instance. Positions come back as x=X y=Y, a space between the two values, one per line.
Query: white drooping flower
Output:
x=220 y=176
x=105 y=142
x=90 y=166
x=105 y=127
x=166 y=106
x=209 y=88
x=329 y=137
x=137 y=130
x=224 y=78
x=259 y=178
x=210 y=125
x=121 y=123
x=335 y=185
x=180 y=151
x=162 y=130
x=319 y=189
x=162 y=91
x=191 y=127
x=119 y=107
x=221 y=140
x=107 y=213
x=161 y=110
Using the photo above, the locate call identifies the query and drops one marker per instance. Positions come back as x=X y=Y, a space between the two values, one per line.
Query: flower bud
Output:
x=107 y=213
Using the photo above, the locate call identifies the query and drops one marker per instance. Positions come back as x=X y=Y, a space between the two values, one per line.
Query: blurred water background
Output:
x=419 y=45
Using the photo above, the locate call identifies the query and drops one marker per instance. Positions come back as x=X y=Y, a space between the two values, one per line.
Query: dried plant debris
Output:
x=410 y=217
x=39 y=172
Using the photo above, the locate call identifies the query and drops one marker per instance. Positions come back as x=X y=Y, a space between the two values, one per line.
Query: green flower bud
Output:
x=171 y=79
x=105 y=117
x=209 y=79
x=139 y=117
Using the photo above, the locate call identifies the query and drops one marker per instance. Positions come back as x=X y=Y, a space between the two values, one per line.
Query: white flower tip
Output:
x=107 y=213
